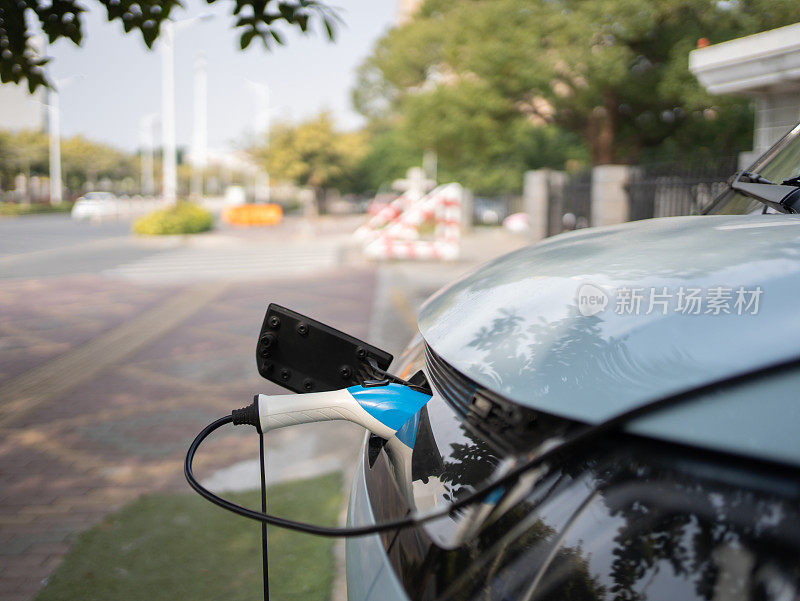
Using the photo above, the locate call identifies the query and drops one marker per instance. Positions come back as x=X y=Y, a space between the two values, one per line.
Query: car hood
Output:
x=518 y=327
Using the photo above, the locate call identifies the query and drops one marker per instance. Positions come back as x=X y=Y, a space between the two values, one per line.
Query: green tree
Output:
x=23 y=152
x=82 y=160
x=388 y=157
x=480 y=138
x=20 y=21
x=611 y=71
x=312 y=153
x=85 y=161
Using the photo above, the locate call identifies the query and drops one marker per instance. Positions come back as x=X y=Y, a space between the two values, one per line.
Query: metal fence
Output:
x=667 y=190
x=569 y=201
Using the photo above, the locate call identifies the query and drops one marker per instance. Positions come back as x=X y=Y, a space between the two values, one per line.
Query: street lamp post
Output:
x=54 y=131
x=170 y=159
x=200 y=124
x=54 y=127
x=148 y=139
x=262 y=123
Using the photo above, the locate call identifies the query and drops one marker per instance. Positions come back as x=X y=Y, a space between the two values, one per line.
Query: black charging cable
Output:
x=570 y=444
x=264 y=558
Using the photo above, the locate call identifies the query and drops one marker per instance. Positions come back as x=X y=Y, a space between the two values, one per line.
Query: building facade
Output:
x=764 y=66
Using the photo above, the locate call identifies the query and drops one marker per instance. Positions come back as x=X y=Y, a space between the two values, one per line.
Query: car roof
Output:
x=517 y=326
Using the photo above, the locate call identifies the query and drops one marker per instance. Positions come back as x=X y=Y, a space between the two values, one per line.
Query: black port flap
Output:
x=304 y=355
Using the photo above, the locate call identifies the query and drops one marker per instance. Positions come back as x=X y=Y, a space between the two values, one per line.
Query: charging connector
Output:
x=382 y=409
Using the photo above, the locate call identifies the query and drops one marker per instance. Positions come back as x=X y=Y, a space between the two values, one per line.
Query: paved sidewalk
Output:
x=105 y=383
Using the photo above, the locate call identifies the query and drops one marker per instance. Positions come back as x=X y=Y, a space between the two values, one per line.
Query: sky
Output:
x=119 y=80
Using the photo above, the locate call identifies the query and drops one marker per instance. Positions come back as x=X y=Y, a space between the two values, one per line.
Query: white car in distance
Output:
x=95 y=205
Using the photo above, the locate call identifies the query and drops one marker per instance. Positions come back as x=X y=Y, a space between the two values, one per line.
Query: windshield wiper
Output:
x=780 y=197
x=792 y=181
x=754 y=178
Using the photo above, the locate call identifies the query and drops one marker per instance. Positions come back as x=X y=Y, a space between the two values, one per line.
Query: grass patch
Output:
x=181 y=218
x=9 y=209
x=183 y=547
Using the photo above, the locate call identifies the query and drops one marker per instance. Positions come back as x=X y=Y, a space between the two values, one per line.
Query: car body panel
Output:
x=514 y=325
x=370 y=576
x=633 y=516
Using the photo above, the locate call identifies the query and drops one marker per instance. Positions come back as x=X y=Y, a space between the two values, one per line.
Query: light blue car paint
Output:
x=370 y=576
x=514 y=327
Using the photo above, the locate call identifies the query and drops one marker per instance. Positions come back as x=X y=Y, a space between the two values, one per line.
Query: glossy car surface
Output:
x=700 y=501
x=514 y=326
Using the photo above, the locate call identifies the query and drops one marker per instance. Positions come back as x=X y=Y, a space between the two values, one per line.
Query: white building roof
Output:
x=763 y=62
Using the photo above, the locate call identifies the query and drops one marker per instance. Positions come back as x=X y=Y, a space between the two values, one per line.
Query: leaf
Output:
x=150 y=36
x=244 y=21
x=328 y=28
x=58 y=19
x=246 y=38
x=287 y=11
x=36 y=80
x=240 y=5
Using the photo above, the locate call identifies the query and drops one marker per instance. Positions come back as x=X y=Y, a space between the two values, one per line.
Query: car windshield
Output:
x=779 y=163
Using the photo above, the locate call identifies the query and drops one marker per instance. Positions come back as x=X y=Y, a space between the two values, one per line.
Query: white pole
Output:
x=148 y=140
x=262 y=109
x=262 y=124
x=261 y=186
x=170 y=156
x=200 y=124
x=266 y=138
x=429 y=164
x=54 y=126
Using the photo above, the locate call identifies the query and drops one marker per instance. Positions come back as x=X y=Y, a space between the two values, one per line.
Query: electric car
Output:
x=688 y=328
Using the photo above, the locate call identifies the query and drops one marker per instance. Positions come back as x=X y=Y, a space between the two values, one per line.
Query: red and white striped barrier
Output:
x=400 y=237
x=371 y=229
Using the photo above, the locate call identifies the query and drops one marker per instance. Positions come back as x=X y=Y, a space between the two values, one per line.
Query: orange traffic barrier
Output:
x=253 y=214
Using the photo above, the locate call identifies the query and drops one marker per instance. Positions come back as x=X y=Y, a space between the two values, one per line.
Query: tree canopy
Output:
x=84 y=160
x=312 y=153
x=20 y=20
x=26 y=152
x=612 y=72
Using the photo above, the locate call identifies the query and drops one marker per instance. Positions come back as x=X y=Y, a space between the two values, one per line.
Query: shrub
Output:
x=182 y=218
x=13 y=208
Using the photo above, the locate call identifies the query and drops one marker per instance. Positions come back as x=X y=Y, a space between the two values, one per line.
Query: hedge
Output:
x=182 y=218
x=14 y=208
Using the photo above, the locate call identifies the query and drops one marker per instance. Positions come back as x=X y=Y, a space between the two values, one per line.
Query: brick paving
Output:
x=89 y=448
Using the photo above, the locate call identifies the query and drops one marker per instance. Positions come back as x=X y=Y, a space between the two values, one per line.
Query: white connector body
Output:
x=280 y=411
x=382 y=410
